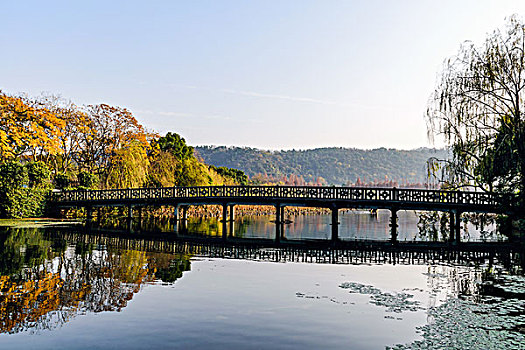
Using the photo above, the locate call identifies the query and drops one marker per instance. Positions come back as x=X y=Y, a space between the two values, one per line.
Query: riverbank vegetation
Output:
x=50 y=143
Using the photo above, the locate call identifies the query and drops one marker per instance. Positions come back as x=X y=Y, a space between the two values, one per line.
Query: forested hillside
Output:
x=335 y=166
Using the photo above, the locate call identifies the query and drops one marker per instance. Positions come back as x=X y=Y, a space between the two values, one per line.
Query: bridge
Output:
x=333 y=198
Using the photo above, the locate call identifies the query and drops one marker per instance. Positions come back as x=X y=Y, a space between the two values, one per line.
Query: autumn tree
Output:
x=27 y=129
x=478 y=107
x=111 y=129
x=75 y=129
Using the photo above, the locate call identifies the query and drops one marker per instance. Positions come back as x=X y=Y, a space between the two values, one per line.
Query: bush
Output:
x=25 y=202
x=38 y=174
x=13 y=175
x=61 y=181
x=23 y=189
x=86 y=179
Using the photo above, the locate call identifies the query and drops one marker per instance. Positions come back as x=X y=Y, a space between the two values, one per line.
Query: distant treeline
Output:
x=325 y=166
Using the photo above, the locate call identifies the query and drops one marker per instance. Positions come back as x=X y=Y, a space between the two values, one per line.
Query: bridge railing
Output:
x=284 y=192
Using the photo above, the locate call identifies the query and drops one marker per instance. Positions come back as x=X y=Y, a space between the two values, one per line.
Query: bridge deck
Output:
x=308 y=196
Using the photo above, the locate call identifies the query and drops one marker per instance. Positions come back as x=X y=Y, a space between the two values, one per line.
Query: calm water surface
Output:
x=69 y=290
x=353 y=225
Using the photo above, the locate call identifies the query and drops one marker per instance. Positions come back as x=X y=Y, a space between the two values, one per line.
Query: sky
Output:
x=272 y=74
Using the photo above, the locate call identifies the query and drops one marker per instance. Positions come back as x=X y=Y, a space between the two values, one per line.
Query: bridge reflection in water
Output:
x=333 y=198
x=62 y=273
x=353 y=252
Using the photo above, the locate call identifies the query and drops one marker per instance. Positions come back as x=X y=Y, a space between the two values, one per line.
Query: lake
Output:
x=62 y=288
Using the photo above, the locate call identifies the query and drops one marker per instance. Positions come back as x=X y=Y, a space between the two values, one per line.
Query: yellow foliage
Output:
x=26 y=129
x=128 y=166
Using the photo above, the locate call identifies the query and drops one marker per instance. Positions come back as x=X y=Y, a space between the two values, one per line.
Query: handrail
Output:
x=286 y=192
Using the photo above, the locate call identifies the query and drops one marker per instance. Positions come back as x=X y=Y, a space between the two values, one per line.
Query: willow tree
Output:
x=478 y=107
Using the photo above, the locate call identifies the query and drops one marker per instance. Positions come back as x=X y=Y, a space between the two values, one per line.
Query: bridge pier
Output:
x=283 y=220
x=175 y=218
x=225 y=221
x=335 y=225
x=232 y=212
x=393 y=225
x=89 y=216
x=452 y=226
x=139 y=210
x=232 y=220
x=278 y=212
x=184 y=213
x=457 y=227
x=129 y=219
x=99 y=216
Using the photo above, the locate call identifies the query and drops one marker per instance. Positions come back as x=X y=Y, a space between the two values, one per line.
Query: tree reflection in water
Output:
x=44 y=283
x=49 y=277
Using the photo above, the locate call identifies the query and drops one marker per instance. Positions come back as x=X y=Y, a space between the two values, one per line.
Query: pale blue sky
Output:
x=269 y=74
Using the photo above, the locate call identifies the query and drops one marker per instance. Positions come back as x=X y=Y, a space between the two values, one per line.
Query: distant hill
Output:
x=336 y=166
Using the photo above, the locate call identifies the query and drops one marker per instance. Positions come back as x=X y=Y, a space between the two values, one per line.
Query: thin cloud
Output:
x=256 y=94
x=163 y=113
x=279 y=97
x=217 y=116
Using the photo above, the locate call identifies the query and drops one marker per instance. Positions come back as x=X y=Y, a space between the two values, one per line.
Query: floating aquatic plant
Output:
x=462 y=324
x=393 y=302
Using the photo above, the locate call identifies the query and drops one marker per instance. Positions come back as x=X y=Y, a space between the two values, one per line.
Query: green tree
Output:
x=174 y=156
x=237 y=176
x=176 y=145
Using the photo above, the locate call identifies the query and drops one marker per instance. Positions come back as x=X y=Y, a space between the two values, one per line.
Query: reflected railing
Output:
x=358 y=251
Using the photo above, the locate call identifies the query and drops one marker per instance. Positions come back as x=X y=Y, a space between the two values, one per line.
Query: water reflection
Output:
x=46 y=282
x=50 y=277
x=353 y=225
